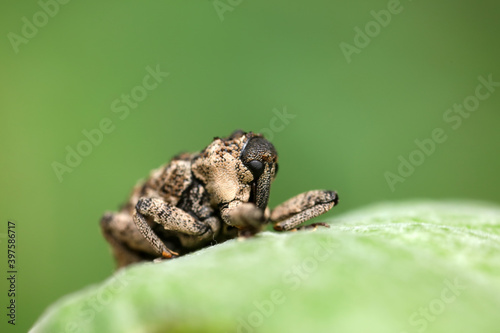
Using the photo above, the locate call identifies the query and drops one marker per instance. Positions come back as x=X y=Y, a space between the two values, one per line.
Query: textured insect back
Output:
x=220 y=168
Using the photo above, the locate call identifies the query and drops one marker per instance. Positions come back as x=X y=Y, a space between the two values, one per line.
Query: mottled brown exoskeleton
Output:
x=205 y=198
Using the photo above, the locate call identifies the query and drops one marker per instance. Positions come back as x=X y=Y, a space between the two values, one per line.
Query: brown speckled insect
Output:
x=207 y=197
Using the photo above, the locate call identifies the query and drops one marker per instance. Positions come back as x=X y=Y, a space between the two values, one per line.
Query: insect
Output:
x=207 y=197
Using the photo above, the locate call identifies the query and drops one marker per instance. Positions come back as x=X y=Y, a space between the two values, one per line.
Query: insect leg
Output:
x=301 y=208
x=171 y=218
x=113 y=229
x=241 y=214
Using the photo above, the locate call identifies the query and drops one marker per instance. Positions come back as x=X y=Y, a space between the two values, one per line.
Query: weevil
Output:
x=204 y=198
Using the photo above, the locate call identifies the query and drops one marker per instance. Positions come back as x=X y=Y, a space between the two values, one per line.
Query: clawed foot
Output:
x=167 y=254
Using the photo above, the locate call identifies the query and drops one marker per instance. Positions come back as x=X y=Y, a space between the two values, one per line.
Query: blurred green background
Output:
x=231 y=65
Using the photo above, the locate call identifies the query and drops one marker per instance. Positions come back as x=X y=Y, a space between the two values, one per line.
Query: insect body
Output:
x=207 y=197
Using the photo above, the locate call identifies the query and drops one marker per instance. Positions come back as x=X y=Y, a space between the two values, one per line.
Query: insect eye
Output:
x=256 y=167
x=276 y=169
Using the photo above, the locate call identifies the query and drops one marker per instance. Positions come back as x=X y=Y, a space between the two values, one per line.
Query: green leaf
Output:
x=410 y=267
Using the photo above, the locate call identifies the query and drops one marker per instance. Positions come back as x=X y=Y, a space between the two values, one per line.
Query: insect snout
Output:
x=260 y=157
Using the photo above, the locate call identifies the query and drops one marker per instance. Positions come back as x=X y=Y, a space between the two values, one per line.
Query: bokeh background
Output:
x=231 y=65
